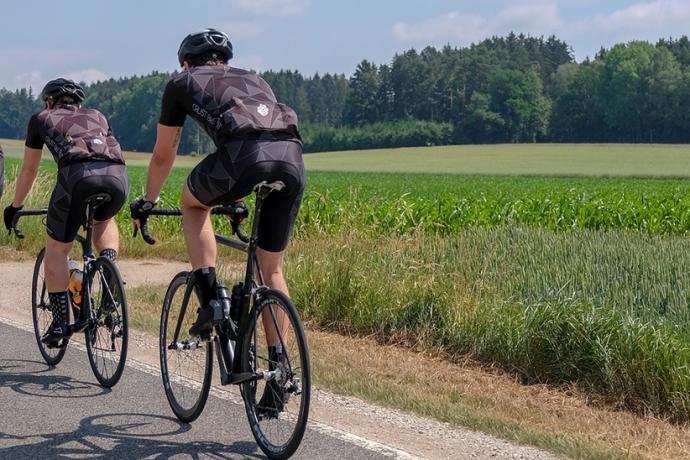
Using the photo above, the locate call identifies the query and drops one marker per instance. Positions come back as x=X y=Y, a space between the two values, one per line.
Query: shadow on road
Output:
x=31 y=378
x=121 y=436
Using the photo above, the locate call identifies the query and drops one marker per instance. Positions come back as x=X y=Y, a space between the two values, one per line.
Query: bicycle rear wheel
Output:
x=186 y=363
x=42 y=313
x=277 y=408
x=107 y=337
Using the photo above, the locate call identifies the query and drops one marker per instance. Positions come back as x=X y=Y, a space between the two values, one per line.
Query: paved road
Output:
x=62 y=413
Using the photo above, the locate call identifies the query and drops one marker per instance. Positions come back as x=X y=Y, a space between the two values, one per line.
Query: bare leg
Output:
x=198 y=231
x=106 y=235
x=271 y=264
x=56 y=271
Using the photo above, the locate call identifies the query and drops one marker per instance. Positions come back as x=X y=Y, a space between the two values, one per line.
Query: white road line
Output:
x=319 y=427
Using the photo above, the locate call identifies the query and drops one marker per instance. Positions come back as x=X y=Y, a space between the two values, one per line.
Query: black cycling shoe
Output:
x=57 y=332
x=273 y=400
x=204 y=324
x=275 y=397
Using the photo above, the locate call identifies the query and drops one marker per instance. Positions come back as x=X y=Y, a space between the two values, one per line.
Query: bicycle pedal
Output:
x=205 y=337
x=58 y=345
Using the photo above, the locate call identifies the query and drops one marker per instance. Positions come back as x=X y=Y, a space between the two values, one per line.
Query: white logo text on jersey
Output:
x=262 y=109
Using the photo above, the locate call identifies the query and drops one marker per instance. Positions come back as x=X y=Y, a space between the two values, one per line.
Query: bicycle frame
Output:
x=88 y=256
x=231 y=371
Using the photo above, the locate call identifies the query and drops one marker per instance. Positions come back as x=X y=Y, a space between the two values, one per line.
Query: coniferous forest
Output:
x=508 y=89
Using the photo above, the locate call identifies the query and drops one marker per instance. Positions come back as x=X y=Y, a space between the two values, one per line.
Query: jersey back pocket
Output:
x=249 y=115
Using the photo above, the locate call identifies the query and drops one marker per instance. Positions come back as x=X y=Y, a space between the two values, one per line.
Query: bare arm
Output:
x=32 y=160
x=167 y=142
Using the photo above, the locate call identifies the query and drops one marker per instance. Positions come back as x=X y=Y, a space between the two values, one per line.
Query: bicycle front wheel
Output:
x=277 y=404
x=107 y=336
x=186 y=362
x=42 y=313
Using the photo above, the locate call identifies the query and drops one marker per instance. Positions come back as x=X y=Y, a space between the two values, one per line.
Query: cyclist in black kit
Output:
x=89 y=161
x=256 y=139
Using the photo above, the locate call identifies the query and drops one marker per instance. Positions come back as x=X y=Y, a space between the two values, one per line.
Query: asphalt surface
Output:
x=62 y=412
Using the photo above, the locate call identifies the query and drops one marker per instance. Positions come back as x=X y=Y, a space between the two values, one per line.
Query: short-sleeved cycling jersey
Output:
x=229 y=104
x=89 y=161
x=73 y=134
x=257 y=139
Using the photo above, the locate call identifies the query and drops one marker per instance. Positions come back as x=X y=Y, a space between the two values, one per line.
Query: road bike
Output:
x=246 y=319
x=99 y=309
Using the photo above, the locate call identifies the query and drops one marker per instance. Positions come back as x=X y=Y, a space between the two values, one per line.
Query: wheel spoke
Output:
x=107 y=337
x=41 y=312
x=278 y=407
x=186 y=362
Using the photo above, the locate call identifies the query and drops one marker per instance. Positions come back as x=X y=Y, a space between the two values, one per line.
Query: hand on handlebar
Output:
x=9 y=215
x=238 y=212
x=139 y=211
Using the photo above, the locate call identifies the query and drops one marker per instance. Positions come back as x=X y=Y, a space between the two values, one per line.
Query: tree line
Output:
x=508 y=89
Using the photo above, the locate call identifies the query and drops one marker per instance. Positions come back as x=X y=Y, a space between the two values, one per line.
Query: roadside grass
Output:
x=565 y=421
x=498 y=296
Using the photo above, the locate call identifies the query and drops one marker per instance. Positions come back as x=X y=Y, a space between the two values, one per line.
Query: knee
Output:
x=271 y=263
x=56 y=248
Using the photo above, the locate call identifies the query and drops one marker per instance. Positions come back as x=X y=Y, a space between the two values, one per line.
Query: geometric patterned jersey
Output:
x=73 y=134
x=229 y=104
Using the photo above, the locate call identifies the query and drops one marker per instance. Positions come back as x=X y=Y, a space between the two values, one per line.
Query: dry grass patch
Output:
x=566 y=421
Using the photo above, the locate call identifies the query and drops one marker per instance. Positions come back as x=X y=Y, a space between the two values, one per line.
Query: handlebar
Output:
x=235 y=214
x=29 y=212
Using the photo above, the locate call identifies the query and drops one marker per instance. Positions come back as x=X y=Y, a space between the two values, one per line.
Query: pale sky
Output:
x=97 y=39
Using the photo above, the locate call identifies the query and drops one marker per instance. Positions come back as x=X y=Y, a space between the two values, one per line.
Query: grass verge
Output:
x=564 y=421
x=464 y=295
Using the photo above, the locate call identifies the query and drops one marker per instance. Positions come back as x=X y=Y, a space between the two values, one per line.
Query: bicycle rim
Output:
x=42 y=314
x=107 y=338
x=277 y=432
x=186 y=363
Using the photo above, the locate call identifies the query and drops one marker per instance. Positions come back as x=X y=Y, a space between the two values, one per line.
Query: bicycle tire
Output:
x=254 y=358
x=187 y=388
x=106 y=291
x=42 y=314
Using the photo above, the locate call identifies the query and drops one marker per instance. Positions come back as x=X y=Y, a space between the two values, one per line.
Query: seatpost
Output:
x=251 y=250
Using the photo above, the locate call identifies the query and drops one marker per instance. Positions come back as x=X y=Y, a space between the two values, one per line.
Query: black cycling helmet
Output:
x=205 y=41
x=59 y=87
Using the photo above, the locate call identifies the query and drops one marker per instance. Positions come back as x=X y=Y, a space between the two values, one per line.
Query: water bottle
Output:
x=224 y=299
x=236 y=302
x=76 y=277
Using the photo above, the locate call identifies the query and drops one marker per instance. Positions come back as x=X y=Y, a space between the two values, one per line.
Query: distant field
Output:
x=15 y=149
x=655 y=160
x=524 y=159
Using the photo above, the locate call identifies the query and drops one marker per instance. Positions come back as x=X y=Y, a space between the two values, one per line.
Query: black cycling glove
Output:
x=239 y=211
x=8 y=215
x=140 y=210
